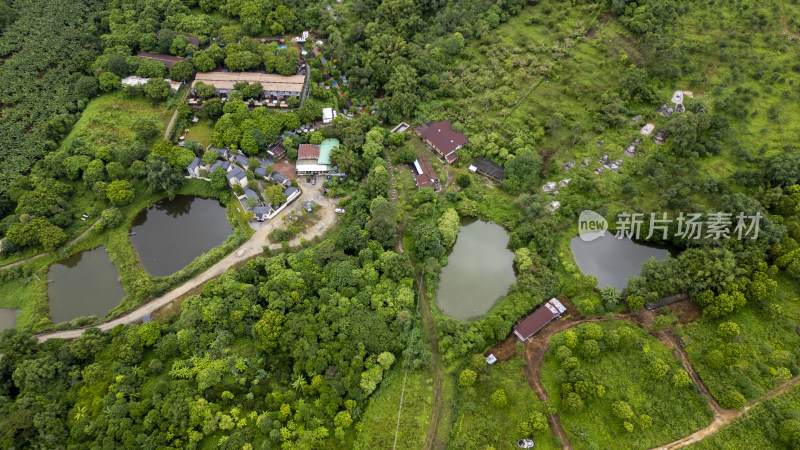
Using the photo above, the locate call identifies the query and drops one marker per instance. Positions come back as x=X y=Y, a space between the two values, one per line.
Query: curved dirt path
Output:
x=537 y=347
x=70 y=242
x=728 y=416
x=252 y=248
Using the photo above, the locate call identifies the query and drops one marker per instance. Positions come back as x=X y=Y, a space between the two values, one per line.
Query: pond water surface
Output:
x=479 y=270
x=612 y=261
x=84 y=284
x=171 y=233
x=8 y=318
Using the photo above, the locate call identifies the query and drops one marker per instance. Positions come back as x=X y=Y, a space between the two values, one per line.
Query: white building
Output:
x=328 y=114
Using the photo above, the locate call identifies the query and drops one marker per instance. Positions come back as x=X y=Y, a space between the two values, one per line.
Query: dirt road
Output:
x=252 y=248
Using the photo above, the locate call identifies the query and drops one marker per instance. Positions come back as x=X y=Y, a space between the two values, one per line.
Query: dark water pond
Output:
x=479 y=270
x=84 y=284
x=8 y=318
x=171 y=233
x=612 y=261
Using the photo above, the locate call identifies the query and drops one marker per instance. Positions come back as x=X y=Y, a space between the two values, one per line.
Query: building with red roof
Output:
x=545 y=314
x=442 y=138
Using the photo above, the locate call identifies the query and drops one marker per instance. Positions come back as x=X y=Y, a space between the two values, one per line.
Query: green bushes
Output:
x=631 y=378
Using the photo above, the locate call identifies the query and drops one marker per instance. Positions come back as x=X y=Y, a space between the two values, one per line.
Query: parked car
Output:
x=314 y=181
x=308 y=206
x=339 y=211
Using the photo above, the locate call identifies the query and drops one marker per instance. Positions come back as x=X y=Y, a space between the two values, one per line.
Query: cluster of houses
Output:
x=233 y=165
x=445 y=141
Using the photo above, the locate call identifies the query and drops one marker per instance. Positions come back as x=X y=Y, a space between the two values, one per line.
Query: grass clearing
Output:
x=481 y=424
x=627 y=372
x=760 y=358
x=379 y=420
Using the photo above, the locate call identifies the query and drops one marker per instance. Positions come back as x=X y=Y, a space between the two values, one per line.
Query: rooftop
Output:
x=489 y=168
x=541 y=317
x=325 y=150
x=168 y=60
x=308 y=151
x=269 y=81
x=443 y=138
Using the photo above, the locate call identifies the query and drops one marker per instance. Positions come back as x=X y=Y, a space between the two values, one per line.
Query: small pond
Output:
x=8 y=318
x=171 y=233
x=84 y=284
x=479 y=270
x=612 y=261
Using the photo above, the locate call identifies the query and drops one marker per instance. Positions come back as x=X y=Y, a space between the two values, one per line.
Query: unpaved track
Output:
x=252 y=248
x=728 y=416
x=536 y=348
x=31 y=258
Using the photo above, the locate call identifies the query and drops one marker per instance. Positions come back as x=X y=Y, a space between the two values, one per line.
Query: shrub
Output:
x=658 y=368
x=635 y=302
x=467 y=378
x=499 y=399
x=622 y=410
x=727 y=331
x=681 y=379
x=733 y=400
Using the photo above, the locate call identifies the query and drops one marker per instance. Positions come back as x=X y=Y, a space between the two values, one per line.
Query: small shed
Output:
x=489 y=168
x=541 y=317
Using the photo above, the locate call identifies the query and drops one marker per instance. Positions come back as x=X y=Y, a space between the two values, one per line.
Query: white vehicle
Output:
x=338 y=211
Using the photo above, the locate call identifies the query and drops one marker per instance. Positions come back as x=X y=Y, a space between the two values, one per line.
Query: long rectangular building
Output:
x=273 y=84
x=541 y=317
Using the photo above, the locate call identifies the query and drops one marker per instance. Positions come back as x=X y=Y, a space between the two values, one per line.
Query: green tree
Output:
x=210 y=157
x=448 y=227
x=378 y=183
x=156 y=89
x=162 y=177
x=218 y=178
x=789 y=432
x=109 y=82
x=274 y=195
x=727 y=331
x=622 y=410
x=467 y=378
x=658 y=368
x=635 y=302
x=212 y=108
x=733 y=400
x=120 y=192
x=150 y=68
x=680 y=379
x=522 y=171
x=181 y=71
x=463 y=180
x=146 y=128
x=386 y=359
x=499 y=399
x=535 y=425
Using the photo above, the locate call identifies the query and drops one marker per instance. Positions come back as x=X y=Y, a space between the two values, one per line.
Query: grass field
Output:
x=379 y=419
x=625 y=374
x=201 y=132
x=765 y=345
x=759 y=427
x=108 y=120
x=480 y=424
